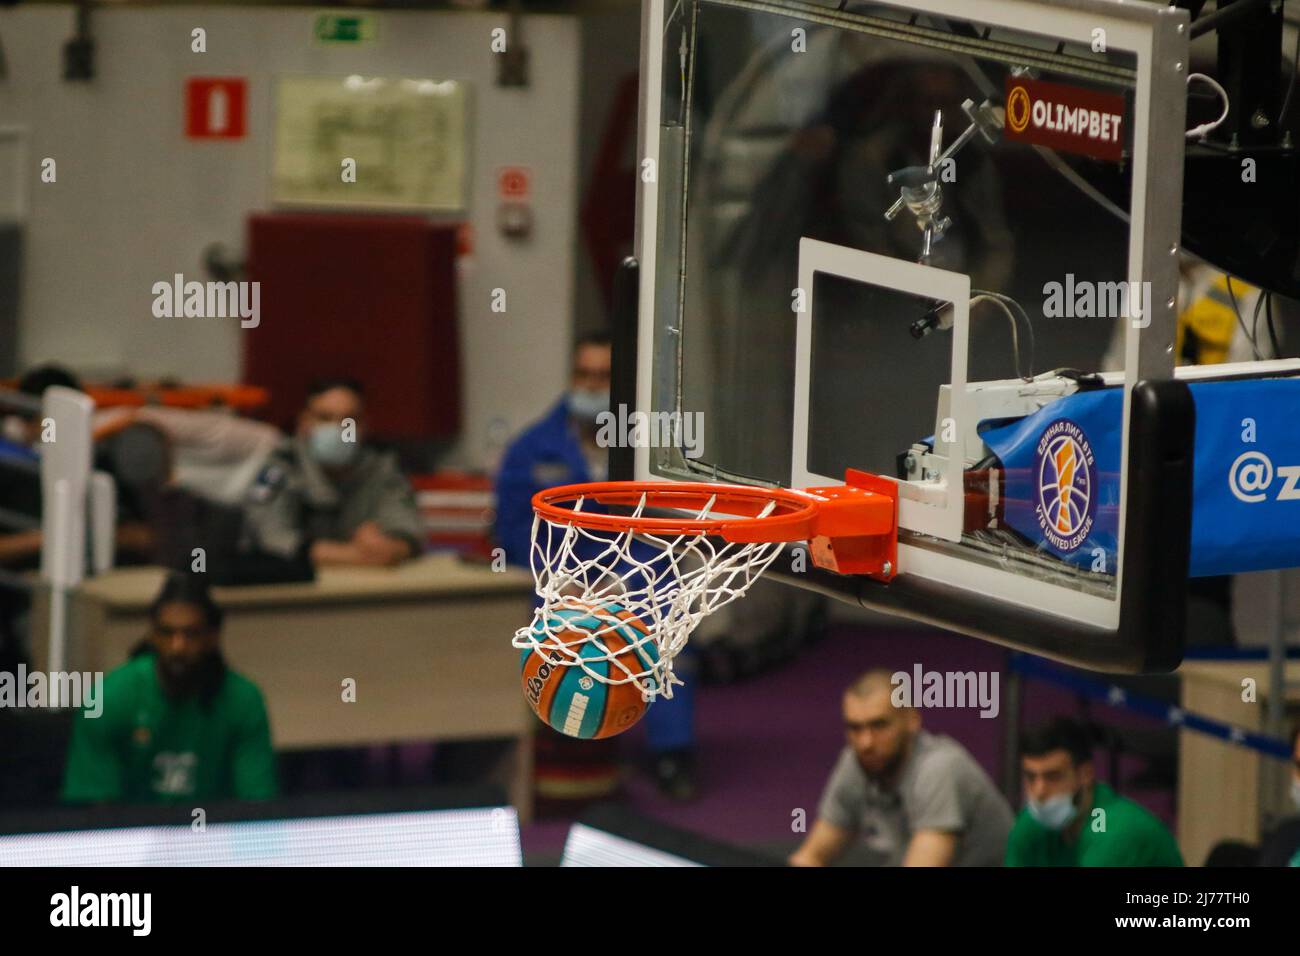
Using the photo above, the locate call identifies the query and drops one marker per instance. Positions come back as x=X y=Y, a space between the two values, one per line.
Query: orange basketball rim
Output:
x=850 y=528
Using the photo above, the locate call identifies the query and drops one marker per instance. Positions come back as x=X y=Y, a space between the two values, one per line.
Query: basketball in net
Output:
x=586 y=669
x=621 y=588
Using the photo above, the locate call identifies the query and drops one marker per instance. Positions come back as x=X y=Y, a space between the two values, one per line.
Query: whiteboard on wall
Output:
x=370 y=142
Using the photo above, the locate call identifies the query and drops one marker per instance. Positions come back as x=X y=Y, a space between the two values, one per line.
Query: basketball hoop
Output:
x=678 y=552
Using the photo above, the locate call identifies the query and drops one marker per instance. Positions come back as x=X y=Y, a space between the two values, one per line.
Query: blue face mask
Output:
x=326 y=444
x=1055 y=813
x=587 y=406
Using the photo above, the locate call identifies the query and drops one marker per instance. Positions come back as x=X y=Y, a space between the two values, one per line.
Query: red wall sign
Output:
x=1067 y=118
x=513 y=182
x=215 y=107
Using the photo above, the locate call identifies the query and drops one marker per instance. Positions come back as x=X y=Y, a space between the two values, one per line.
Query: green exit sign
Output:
x=345 y=28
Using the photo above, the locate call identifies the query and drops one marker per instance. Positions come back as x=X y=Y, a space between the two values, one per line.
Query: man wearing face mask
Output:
x=562 y=449
x=174 y=724
x=1071 y=818
x=326 y=496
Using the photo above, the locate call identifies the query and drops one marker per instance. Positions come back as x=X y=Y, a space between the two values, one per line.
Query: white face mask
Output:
x=587 y=405
x=1056 y=812
x=327 y=446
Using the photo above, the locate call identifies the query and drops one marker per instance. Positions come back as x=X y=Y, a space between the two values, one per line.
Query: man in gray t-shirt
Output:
x=916 y=798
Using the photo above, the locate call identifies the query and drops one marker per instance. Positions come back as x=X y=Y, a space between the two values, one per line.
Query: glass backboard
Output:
x=866 y=240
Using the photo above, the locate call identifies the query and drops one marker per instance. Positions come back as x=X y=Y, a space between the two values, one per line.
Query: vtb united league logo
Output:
x=1067 y=478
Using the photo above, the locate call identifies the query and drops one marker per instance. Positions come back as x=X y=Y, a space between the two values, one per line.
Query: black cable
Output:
x=1272 y=332
x=1236 y=310
x=1290 y=87
x=1254 y=324
x=1223 y=16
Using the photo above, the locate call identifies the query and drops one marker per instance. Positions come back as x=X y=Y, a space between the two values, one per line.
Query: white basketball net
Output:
x=669 y=582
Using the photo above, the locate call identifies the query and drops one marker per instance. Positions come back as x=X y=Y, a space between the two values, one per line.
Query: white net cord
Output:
x=666 y=583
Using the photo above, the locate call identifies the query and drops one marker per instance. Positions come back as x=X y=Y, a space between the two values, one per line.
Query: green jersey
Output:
x=147 y=748
x=1123 y=834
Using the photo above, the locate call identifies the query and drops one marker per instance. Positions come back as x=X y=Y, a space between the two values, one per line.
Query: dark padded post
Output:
x=623 y=333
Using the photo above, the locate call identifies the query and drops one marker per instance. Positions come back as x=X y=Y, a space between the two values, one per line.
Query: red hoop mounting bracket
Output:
x=856 y=528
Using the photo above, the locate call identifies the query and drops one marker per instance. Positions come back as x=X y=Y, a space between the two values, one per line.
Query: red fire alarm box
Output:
x=216 y=107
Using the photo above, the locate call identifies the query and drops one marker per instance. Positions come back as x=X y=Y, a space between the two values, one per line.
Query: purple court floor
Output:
x=765 y=745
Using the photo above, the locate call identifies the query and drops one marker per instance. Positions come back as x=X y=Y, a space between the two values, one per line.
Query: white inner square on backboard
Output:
x=930 y=507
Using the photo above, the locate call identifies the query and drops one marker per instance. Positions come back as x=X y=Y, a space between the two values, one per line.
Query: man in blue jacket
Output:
x=561 y=449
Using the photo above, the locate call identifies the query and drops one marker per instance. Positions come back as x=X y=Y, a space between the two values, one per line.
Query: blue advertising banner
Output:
x=1062 y=472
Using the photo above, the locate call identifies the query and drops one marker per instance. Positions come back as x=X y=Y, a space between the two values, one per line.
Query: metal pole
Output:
x=1272 y=771
x=1011 y=737
x=58 y=578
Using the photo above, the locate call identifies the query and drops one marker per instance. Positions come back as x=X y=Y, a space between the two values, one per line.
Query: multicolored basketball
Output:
x=564 y=694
